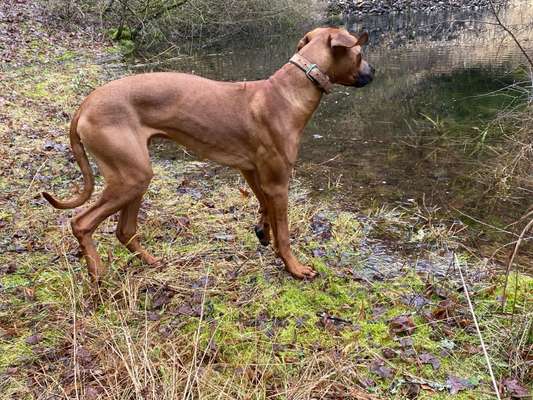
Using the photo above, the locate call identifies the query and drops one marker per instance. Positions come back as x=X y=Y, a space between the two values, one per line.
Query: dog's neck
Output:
x=299 y=98
x=300 y=93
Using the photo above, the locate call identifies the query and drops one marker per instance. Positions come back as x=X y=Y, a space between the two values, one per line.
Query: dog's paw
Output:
x=261 y=235
x=150 y=259
x=302 y=272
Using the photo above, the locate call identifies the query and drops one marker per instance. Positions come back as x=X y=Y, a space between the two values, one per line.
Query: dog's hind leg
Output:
x=113 y=199
x=127 y=174
x=262 y=229
x=127 y=231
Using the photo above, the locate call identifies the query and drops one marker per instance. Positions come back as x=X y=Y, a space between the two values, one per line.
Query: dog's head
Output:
x=338 y=53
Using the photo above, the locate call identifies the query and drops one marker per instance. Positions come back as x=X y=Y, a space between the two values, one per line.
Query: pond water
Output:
x=412 y=133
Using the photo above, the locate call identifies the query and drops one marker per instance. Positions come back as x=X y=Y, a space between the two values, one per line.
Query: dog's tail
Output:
x=83 y=162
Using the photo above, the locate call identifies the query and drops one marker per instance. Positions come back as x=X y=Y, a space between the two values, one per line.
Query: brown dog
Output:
x=252 y=126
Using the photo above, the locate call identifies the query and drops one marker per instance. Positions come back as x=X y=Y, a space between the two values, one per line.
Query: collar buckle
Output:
x=312 y=72
x=309 y=69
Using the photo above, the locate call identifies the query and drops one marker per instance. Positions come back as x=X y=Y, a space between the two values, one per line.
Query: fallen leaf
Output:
x=191 y=311
x=436 y=290
x=378 y=367
x=515 y=389
x=162 y=298
x=412 y=390
x=378 y=311
x=321 y=226
x=471 y=349
x=153 y=316
x=456 y=384
x=182 y=223
x=408 y=355
x=402 y=325
x=92 y=392
x=406 y=342
x=427 y=358
x=444 y=310
x=205 y=281
x=319 y=253
x=34 y=339
x=11 y=268
x=388 y=353
x=84 y=356
x=366 y=382
x=414 y=300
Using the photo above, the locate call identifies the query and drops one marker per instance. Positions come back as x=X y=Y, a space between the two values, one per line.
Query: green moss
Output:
x=519 y=292
x=67 y=55
x=13 y=351
x=291 y=301
x=374 y=334
x=13 y=281
x=51 y=285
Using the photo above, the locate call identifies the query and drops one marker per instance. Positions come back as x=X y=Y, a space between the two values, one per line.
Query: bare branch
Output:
x=506 y=29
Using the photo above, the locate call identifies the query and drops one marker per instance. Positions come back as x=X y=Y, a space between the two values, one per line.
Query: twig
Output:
x=193 y=379
x=511 y=260
x=506 y=29
x=156 y=63
x=33 y=179
x=482 y=342
x=484 y=223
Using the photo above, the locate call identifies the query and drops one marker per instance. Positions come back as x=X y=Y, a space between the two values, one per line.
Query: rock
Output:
x=378 y=7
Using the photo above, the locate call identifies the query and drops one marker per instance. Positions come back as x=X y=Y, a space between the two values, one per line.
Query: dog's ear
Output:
x=342 y=39
x=303 y=41
x=363 y=39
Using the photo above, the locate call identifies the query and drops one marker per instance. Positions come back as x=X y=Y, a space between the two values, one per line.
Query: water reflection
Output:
x=376 y=143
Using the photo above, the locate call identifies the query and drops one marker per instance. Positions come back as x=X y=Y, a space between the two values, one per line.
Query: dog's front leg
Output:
x=262 y=229
x=277 y=193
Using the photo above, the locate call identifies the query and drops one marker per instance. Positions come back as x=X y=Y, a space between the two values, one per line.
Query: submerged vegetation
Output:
x=219 y=318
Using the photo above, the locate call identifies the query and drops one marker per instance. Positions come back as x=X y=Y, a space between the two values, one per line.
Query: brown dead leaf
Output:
x=378 y=367
x=402 y=325
x=412 y=390
x=182 y=223
x=84 y=356
x=444 y=310
x=427 y=358
x=162 y=298
x=388 y=353
x=515 y=389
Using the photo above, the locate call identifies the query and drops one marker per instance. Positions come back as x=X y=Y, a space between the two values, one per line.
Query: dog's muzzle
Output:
x=365 y=77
